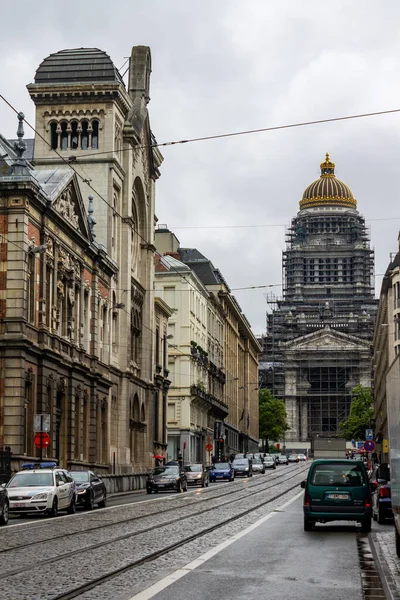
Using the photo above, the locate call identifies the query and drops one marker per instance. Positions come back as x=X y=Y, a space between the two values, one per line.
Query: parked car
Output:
x=293 y=458
x=302 y=457
x=269 y=462
x=90 y=489
x=165 y=479
x=381 y=495
x=4 y=505
x=221 y=471
x=196 y=474
x=337 y=490
x=283 y=459
x=258 y=466
x=243 y=466
x=42 y=488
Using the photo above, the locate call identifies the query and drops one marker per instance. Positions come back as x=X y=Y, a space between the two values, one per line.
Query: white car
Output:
x=283 y=459
x=42 y=488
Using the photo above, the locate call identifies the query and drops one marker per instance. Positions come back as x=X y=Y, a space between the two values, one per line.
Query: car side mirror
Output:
x=3 y=485
x=303 y=484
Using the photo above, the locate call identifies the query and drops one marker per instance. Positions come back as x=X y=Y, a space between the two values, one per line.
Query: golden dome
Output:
x=327 y=190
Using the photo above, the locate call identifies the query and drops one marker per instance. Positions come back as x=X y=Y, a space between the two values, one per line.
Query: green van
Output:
x=337 y=490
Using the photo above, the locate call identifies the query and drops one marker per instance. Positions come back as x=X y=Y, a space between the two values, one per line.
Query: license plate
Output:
x=19 y=505
x=338 y=496
x=162 y=484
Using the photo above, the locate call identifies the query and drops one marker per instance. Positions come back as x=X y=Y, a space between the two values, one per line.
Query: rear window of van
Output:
x=338 y=475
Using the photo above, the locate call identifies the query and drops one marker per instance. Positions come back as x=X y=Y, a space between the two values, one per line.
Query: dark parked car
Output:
x=196 y=474
x=381 y=494
x=4 y=506
x=337 y=490
x=165 y=479
x=269 y=462
x=243 y=466
x=90 y=489
x=221 y=471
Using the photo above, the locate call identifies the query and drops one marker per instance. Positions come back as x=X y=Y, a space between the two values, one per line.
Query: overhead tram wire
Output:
x=250 y=131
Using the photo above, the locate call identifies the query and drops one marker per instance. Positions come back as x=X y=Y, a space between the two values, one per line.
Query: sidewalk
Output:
x=387 y=562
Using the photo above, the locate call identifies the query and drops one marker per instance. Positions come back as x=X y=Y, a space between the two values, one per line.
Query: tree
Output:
x=272 y=417
x=361 y=414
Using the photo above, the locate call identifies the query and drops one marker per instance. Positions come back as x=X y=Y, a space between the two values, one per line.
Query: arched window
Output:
x=85 y=135
x=95 y=134
x=74 y=135
x=53 y=135
x=64 y=135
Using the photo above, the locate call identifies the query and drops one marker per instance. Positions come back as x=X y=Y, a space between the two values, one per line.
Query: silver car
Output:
x=283 y=459
x=258 y=466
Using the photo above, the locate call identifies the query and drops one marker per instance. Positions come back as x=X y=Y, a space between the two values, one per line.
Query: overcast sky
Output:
x=231 y=65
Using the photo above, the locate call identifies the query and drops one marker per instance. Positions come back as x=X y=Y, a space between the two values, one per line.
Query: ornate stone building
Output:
x=317 y=346
x=216 y=347
x=98 y=317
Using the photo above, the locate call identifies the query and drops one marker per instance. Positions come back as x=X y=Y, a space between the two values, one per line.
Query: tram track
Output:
x=148 y=545
x=78 y=591
x=208 y=497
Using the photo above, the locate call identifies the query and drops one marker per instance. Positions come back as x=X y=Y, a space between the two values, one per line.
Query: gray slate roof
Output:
x=77 y=65
x=30 y=147
x=202 y=266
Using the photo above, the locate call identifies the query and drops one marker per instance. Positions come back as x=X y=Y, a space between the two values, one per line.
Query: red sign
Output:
x=278 y=446
x=209 y=447
x=41 y=439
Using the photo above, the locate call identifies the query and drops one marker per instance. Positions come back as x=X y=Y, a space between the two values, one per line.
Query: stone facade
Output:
x=97 y=131
x=317 y=345
x=231 y=349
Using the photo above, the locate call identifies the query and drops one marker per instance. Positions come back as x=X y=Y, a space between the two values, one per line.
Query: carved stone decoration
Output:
x=49 y=245
x=61 y=385
x=65 y=206
x=50 y=381
x=60 y=289
x=71 y=296
x=64 y=259
x=85 y=396
x=29 y=375
x=77 y=269
x=78 y=391
x=104 y=403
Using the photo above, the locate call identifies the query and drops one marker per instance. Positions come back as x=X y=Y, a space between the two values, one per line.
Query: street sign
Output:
x=360 y=445
x=369 y=435
x=41 y=439
x=41 y=423
x=369 y=445
x=209 y=447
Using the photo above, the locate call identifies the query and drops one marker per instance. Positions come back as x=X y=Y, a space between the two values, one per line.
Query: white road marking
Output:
x=179 y=573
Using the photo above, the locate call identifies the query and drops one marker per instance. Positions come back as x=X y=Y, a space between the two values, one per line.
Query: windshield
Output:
x=338 y=475
x=173 y=471
x=31 y=480
x=256 y=461
x=221 y=466
x=240 y=461
x=80 y=476
x=193 y=468
x=268 y=459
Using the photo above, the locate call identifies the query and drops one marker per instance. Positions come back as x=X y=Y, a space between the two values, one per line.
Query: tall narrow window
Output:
x=31 y=289
x=95 y=134
x=157 y=346
x=85 y=135
x=64 y=136
x=85 y=426
x=86 y=316
x=77 y=428
x=53 y=135
x=74 y=135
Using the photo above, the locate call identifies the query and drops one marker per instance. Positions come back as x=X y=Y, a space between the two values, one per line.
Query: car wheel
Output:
x=103 y=502
x=366 y=525
x=380 y=518
x=308 y=526
x=89 y=504
x=71 y=510
x=4 y=513
x=397 y=541
x=53 y=512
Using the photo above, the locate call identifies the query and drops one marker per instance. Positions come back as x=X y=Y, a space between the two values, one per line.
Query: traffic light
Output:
x=221 y=447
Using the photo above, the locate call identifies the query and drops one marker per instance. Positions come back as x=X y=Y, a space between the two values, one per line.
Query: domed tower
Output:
x=318 y=335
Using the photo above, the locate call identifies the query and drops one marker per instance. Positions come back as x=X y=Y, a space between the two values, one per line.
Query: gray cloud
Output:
x=231 y=65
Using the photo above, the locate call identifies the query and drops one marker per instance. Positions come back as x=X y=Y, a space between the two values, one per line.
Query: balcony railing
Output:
x=220 y=407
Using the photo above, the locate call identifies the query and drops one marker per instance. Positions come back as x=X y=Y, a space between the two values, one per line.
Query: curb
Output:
x=115 y=494
x=382 y=567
